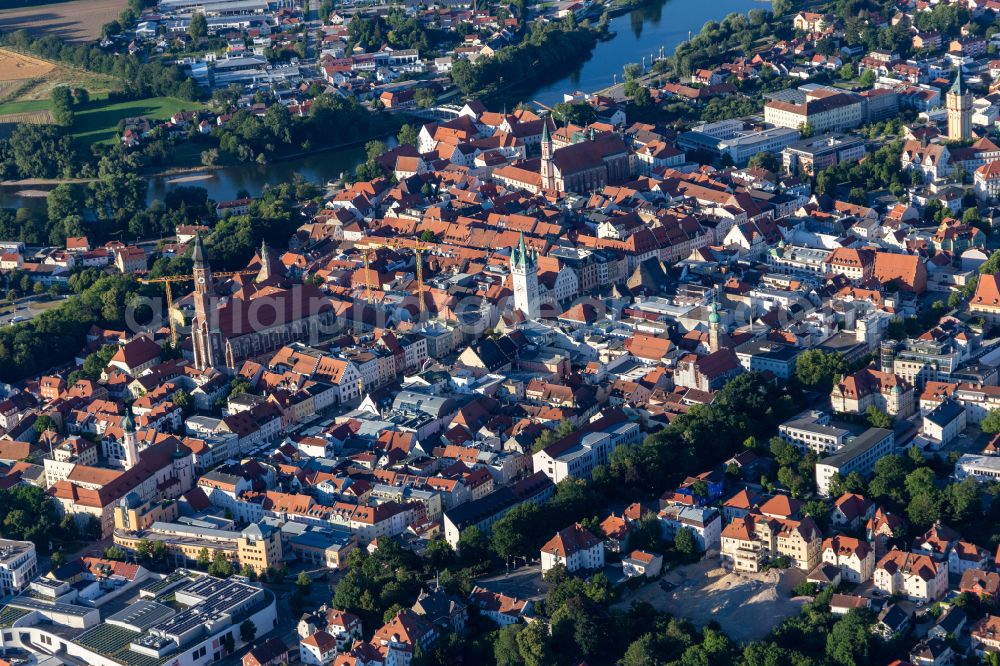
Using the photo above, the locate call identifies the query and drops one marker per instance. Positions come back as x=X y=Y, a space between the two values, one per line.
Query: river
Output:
x=643 y=32
x=659 y=24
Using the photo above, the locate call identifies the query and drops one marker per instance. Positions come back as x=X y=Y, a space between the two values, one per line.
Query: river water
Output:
x=656 y=27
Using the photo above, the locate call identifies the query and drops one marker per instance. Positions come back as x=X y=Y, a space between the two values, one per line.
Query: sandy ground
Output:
x=747 y=606
x=17 y=66
x=76 y=21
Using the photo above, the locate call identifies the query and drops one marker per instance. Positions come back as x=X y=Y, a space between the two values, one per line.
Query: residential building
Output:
x=917 y=577
x=575 y=548
x=859 y=455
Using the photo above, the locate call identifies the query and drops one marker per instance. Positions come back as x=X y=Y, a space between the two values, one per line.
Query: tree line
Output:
x=139 y=79
x=548 y=47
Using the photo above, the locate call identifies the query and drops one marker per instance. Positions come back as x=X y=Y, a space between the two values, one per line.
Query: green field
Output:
x=97 y=122
x=25 y=107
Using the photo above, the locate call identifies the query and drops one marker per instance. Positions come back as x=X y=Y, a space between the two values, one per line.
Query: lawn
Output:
x=97 y=122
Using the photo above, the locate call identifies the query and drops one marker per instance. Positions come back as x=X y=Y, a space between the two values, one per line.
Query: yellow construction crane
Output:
x=415 y=245
x=167 y=281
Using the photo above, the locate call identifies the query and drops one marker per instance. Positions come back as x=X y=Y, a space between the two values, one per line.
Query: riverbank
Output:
x=645 y=29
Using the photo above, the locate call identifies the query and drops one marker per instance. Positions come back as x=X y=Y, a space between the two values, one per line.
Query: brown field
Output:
x=26 y=78
x=8 y=121
x=76 y=21
x=16 y=67
x=34 y=117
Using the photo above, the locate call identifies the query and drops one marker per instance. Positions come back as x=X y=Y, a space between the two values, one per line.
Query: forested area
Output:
x=547 y=47
x=397 y=30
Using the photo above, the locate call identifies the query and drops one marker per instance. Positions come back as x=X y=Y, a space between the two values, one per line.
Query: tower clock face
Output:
x=201 y=280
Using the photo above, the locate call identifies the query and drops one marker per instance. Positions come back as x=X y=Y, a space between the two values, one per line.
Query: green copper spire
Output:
x=128 y=423
x=714 y=318
x=957 y=88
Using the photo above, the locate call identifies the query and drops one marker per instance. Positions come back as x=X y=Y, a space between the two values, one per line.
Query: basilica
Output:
x=253 y=315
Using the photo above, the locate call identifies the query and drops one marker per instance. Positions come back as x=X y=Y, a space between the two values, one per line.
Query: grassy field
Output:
x=25 y=107
x=98 y=121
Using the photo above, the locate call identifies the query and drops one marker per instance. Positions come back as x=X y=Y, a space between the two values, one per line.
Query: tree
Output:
x=888 y=479
x=686 y=544
x=877 y=418
x=850 y=641
x=303 y=582
x=220 y=565
x=44 y=423
x=533 y=645
x=229 y=643
x=183 y=399
x=474 y=546
x=203 y=560
x=852 y=483
x=210 y=157
x=198 y=27
x=550 y=435
x=991 y=423
x=818 y=369
x=391 y=612
x=424 y=97
x=631 y=71
x=505 y=648
x=248 y=631
x=62 y=105
x=578 y=113
x=518 y=533
x=643 y=651
x=765 y=160
x=408 y=135
x=115 y=553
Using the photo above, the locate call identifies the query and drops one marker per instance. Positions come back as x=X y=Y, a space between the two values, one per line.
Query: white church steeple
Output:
x=524 y=274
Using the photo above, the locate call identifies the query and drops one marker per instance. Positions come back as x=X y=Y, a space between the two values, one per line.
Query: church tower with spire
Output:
x=958 y=102
x=130 y=443
x=547 y=170
x=265 y=264
x=205 y=336
x=524 y=273
x=714 y=320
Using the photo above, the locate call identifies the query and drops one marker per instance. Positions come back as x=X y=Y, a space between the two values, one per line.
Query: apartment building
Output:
x=748 y=543
x=822 y=109
x=890 y=393
x=811 y=431
x=705 y=524
x=918 y=577
x=858 y=455
x=575 y=548
x=854 y=557
x=18 y=566
x=576 y=455
x=820 y=152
